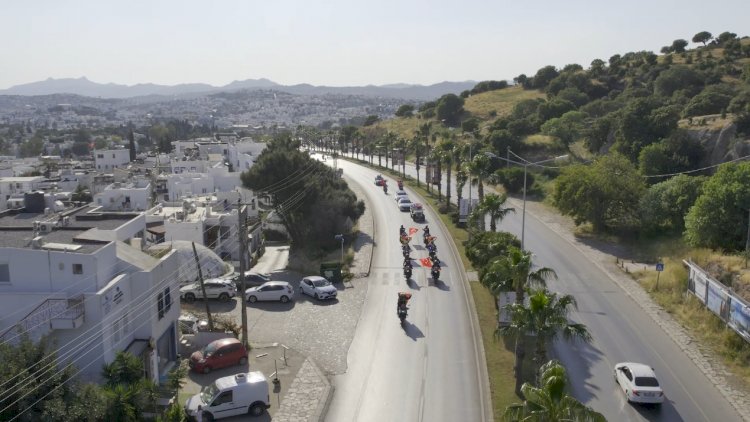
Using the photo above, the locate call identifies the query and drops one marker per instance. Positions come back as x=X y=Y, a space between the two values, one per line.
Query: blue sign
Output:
x=660 y=267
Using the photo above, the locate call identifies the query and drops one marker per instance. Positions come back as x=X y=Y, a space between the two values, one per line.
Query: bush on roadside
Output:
x=511 y=178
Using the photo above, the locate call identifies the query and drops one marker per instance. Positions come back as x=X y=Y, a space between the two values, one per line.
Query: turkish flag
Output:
x=426 y=262
x=412 y=230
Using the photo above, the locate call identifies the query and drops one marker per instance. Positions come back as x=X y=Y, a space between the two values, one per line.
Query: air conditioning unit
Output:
x=45 y=227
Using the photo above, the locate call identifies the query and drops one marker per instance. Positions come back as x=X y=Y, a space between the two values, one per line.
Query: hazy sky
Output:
x=336 y=42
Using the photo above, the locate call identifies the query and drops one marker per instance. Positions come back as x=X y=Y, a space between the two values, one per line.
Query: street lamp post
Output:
x=525 y=163
x=340 y=237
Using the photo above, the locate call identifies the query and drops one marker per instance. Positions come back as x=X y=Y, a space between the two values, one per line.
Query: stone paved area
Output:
x=307 y=397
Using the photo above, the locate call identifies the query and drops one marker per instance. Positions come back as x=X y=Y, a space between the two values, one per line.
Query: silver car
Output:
x=318 y=287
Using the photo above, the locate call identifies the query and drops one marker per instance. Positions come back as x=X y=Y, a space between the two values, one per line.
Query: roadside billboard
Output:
x=739 y=318
x=718 y=300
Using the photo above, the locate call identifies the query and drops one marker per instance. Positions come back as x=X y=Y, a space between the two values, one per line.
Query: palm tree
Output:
x=415 y=144
x=513 y=272
x=493 y=204
x=461 y=179
x=545 y=318
x=479 y=169
x=446 y=148
x=549 y=402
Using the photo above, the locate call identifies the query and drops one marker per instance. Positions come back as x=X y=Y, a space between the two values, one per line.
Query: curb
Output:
x=322 y=408
x=359 y=191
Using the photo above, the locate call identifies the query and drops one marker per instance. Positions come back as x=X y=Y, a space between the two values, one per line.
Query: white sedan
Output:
x=272 y=290
x=400 y=194
x=639 y=383
x=404 y=204
x=318 y=287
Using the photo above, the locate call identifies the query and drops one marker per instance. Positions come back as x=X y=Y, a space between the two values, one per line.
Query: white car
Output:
x=272 y=290
x=318 y=287
x=400 y=194
x=404 y=204
x=639 y=383
x=216 y=288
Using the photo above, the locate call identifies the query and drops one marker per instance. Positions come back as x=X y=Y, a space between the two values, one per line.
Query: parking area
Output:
x=266 y=359
x=320 y=329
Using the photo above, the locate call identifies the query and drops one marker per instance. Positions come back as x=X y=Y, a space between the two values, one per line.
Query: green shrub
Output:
x=511 y=179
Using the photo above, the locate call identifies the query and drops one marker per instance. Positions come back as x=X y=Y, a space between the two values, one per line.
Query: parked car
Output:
x=639 y=383
x=318 y=287
x=233 y=395
x=404 y=204
x=400 y=194
x=216 y=288
x=272 y=290
x=252 y=278
x=229 y=396
x=218 y=354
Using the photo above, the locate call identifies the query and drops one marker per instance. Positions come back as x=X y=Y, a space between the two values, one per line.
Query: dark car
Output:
x=251 y=279
x=218 y=354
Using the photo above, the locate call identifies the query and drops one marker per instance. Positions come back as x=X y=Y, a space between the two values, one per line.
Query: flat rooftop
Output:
x=86 y=228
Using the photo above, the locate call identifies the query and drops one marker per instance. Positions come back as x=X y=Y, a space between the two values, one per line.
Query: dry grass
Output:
x=701 y=323
x=498 y=102
x=498 y=352
x=708 y=122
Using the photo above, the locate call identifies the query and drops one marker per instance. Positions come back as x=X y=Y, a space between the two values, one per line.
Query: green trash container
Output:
x=331 y=271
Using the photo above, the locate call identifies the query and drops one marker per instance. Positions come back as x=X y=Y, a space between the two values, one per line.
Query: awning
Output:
x=157 y=230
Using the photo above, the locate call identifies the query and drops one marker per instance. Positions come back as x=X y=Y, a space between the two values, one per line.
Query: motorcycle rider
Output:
x=402 y=230
x=403 y=301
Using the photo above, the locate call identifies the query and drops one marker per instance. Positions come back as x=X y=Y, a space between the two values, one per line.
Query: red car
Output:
x=379 y=181
x=219 y=354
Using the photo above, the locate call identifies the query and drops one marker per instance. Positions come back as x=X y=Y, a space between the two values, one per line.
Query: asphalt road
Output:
x=429 y=369
x=621 y=331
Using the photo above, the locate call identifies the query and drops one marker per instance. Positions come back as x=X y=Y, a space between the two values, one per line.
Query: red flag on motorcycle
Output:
x=426 y=262
x=413 y=230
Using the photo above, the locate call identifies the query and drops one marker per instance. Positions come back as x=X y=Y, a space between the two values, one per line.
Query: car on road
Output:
x=400 y=194
x=417 y=213
x=218 y=354
x=639 y=383
x=216 y=288
x=379 y=181
x=404 y=204
x=318 y=287
x=272 y=290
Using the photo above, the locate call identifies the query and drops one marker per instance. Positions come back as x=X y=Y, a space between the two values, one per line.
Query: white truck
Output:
x=237 y=394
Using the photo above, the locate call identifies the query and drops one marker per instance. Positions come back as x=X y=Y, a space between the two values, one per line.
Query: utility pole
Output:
x=203 y=289
x=243 y=251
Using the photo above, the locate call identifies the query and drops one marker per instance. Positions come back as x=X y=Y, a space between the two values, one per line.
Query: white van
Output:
x=233 y=395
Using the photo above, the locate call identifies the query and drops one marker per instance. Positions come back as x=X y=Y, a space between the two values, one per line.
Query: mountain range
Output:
x=83 y=86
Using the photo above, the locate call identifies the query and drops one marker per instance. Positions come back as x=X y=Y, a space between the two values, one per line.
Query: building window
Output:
x=167 y=300
x=77 y=268
x=160 y=305
x=4 y=273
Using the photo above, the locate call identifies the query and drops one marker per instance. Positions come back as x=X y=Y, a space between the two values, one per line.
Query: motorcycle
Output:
x=385 y=189
x=406 y=255
x=407 y=273
x=402 y=311
x=435 y=273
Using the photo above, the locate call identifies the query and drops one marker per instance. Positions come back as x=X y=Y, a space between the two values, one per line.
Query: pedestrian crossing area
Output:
x=392 y=276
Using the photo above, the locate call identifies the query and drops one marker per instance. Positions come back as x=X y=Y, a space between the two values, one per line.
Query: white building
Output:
x=243 y=154
x=206 y=221
x=83 y=281
x=133 y=196
x=17 y=186
x=108 y=159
